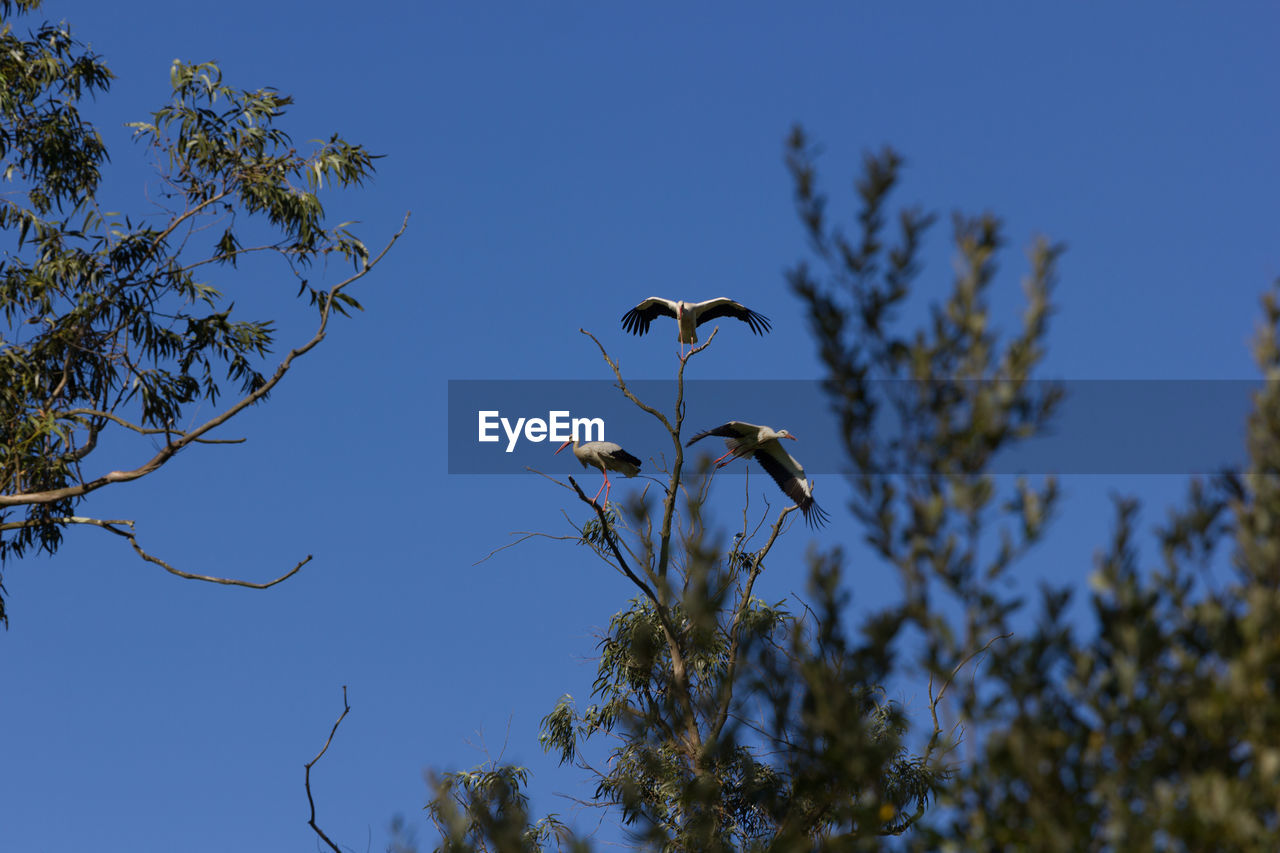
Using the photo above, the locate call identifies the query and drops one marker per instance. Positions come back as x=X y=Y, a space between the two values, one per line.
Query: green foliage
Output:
x=485 y=809
x=594 y=530
x=1155 y=731
x=115 y=322
x=821 y=753
x=1159 y=731
x=651 y=777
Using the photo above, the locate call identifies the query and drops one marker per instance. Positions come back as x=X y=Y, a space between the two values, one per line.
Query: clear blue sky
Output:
x=562 y=162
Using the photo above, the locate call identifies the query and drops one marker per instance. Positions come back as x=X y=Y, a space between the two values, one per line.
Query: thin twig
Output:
x=677 y=466
x=310 y=800
x=65 y=519
x=129 y=535
x=112 y=526
x=907 y=822
x=95 y=413
x=735 y=628
x=934 y=700
x=524 y=535
x=622 y=385
x=545 y=476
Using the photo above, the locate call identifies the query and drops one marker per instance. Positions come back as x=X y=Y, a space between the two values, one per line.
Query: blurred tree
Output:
x=1156 y=730
x=112 y=324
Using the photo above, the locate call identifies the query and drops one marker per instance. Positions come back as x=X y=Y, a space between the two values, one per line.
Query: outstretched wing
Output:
x=789 y=475
x=732 y=429
x=637 y=320
x=724 y=307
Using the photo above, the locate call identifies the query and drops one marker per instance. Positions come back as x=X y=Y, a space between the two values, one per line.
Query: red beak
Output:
x=563 y=446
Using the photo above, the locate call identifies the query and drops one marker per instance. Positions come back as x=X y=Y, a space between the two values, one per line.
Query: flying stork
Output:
x=690 y=315
x=762 y=442
x=606 y=456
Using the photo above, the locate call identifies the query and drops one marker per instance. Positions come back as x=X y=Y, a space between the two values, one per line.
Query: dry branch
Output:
x=307 y=778
x=112 y=525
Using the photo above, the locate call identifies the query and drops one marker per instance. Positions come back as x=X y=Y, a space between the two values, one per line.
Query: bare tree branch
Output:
x=525 y=535
x=95 y=413
x=677 y=466
x=112 y=525
x=735 y=628
x=935 y=700
x=907 y=822
x=622 y=385
x=310 y=800
x=66 y=519
x=208 y=578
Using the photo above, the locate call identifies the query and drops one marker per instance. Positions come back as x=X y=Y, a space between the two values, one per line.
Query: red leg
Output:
x=601 y=489
x=720 y=463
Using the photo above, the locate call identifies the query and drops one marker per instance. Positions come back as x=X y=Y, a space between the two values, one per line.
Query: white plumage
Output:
x=606 y=456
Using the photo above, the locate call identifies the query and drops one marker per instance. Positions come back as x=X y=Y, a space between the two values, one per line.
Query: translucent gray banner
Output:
x=1101 y=426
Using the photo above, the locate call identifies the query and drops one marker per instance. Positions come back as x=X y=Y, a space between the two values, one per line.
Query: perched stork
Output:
x=762 y=442
x=606 y=456
x=690 y=315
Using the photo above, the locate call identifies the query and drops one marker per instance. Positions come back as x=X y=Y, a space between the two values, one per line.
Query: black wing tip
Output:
x=758 y=322
x=721 y=431
x=815 y=516
x=697 y=437
x=633 y=322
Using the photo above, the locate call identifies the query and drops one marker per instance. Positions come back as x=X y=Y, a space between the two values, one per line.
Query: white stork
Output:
x=606 y=456
x=762 y=442
x=690 y=315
